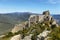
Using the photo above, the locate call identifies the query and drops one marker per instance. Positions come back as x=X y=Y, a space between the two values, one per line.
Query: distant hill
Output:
x=8 y=20
x=57 y=17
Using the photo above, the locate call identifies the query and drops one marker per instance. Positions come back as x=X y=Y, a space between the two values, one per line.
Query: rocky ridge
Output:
x=38 y=27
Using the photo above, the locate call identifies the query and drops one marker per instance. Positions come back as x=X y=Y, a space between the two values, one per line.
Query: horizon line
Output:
x=27 y=12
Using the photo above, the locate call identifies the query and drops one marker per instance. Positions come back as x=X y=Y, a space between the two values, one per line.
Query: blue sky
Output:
x=35 y=6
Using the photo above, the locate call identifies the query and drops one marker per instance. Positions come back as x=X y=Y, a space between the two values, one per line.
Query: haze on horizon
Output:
x=35 y=6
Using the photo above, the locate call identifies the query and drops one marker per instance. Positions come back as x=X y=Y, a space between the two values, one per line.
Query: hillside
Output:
x=8 y=20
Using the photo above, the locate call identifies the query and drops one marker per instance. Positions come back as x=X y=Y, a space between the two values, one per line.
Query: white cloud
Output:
x=54 y=1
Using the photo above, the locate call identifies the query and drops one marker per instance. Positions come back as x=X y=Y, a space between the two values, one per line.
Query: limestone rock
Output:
x=1 y=36
x=28 y=37
x=43 y=34
x=18 y=27
x=16 y=37
x=54 y=22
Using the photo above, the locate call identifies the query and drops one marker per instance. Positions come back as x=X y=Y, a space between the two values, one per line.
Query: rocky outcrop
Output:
x=41 y=18
x=16 y=37
x=40 y=22
x=43 y=35
x=2 y=36
x=28 y=37
x=19 y=37
x=19 y=27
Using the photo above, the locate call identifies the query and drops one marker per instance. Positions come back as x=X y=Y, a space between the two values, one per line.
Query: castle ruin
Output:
x=40 y=18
